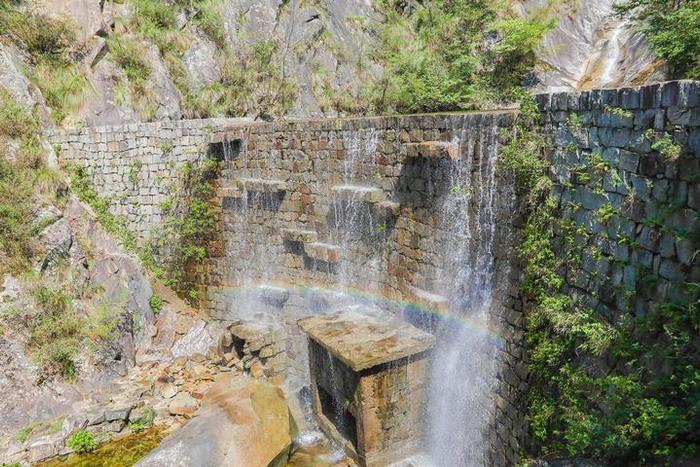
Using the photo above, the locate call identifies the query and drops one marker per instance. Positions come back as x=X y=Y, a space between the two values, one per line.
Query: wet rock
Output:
x=241 y=422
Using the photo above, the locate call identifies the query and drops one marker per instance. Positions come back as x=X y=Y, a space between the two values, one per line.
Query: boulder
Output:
x=55 y=242
x=242 y=422
x=198 y=340
x=86 y=15
x=201 y=61
x=183 y=404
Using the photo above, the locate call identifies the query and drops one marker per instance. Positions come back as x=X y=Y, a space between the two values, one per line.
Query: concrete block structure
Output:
x=368 y=384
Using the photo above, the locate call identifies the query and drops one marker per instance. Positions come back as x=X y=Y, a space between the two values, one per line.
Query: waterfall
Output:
x=613 y=57
x=462 y=377
x=353 y=221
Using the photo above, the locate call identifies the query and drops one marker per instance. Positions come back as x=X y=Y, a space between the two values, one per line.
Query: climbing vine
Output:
x=622 y=386
x=174 y=252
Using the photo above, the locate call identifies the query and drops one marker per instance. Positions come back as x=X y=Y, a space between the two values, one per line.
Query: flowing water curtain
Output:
x=354 y=223
x=460 y=405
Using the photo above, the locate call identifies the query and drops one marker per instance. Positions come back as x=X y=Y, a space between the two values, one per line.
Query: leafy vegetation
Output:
x=18 y=180
x=665 y=145
x=143 y=422
x=39 y=428
x=58 y=331
x=673 y=29
x=156 y=303
x=124 y=450
x=189 y=227
x=625 y=390
x=450 y=55
x=82 y=441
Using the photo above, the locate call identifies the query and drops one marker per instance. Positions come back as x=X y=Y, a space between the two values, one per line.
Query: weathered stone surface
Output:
x=198 y=340
x=433 y=150
x=201 y=61
x=298 y=235
x=260 y=185
x=361 y=342
x=323 y=252
x=358 y=194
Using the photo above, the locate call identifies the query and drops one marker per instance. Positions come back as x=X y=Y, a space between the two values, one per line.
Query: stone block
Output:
x=261 y=185
x=368 y=384
x=358 y=194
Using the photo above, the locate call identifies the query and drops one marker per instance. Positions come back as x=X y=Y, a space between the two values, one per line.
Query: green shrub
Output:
x=50 y=42
x=42 y=36
x=435 y=56
x=156 y=303
x=643 y=408
x=143 y=422
x=15 y=121
x=667 y=148
x=129 y=54
x=55 y=331
x=672 y=27
x=82 y=441
x=64 y=87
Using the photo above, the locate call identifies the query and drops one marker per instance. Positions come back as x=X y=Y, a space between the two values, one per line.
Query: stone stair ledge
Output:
x=228 y=192
x=299 y=235
x=323 y=252
x=428 y=299
x=363 y=194
x=262 y=185
x=391 y=208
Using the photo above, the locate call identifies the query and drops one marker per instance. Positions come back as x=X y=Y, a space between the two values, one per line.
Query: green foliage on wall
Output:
x=174 y=252
x=189 y=228
x=623 y=390
x=451 y=55
x=673 y=29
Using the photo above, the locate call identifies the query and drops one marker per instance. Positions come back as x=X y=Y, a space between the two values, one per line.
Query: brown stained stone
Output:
x=361 y=342
x=433 y=150
x=183 y=404
x=376 y=371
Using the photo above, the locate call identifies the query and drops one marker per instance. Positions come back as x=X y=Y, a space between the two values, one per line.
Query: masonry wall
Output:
x=640 y=215
x=320 y=230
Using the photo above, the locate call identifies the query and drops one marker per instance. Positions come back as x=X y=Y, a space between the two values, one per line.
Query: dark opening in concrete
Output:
x=225 y=150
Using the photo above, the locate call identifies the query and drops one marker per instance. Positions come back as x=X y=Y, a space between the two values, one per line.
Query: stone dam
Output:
x=412 y=219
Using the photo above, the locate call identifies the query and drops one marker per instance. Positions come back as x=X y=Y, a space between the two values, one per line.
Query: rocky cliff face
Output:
x=323 y=47
x=590 y=47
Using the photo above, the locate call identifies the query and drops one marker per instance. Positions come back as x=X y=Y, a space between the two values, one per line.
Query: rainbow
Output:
x=414 y=311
